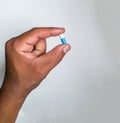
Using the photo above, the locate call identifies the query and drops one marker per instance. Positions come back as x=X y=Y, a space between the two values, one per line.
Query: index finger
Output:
x=34 y=35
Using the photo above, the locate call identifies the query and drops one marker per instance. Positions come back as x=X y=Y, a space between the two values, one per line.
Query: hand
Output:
x=27 y=64
x=27 y=61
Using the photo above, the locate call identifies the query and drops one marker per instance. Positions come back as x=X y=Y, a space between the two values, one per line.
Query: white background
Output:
x=85 y=86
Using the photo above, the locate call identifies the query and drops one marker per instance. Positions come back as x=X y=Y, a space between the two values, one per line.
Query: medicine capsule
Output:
x=62 y=38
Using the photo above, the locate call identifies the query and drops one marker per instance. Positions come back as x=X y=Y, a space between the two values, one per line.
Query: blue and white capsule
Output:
x=62 y=38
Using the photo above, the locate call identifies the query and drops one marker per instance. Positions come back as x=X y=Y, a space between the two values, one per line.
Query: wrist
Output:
x=12 y=97
x=14 y=90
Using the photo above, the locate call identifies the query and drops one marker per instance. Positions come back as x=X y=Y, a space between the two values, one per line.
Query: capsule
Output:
x=62 y=38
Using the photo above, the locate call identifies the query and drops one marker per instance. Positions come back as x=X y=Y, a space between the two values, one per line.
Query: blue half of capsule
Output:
x=63 y=40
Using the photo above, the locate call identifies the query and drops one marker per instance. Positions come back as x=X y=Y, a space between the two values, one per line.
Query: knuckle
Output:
x=35 y=29
x=9 y=42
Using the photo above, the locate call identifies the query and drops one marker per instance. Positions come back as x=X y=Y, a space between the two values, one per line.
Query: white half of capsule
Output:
x=61 y=36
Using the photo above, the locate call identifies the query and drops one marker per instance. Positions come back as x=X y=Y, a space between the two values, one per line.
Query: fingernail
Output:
x=61 y=27
x=66 y=49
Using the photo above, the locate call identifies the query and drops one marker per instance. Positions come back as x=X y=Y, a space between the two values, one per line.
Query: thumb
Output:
x=53 y=57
